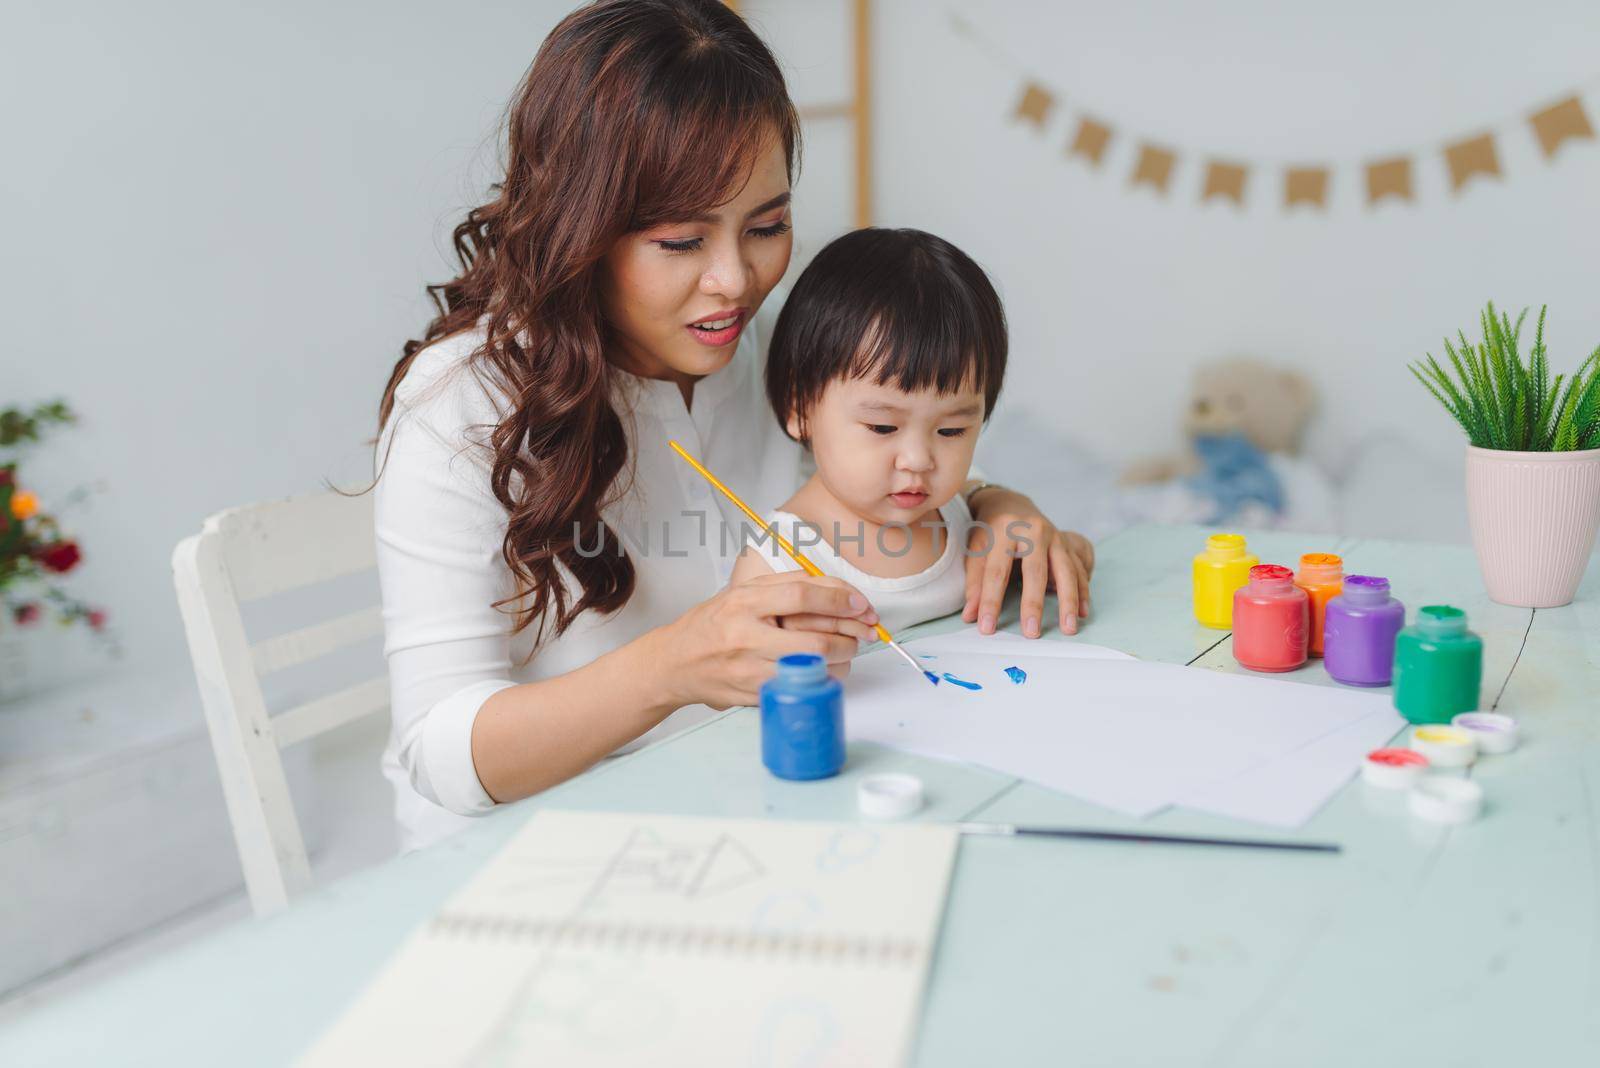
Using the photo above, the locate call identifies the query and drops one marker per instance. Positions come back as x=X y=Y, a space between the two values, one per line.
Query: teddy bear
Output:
x=1244 y=423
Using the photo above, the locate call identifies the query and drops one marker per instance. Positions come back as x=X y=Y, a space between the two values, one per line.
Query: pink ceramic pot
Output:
x=1533 y=516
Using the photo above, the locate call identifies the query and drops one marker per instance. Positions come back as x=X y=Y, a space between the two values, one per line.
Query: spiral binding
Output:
x=812 y=947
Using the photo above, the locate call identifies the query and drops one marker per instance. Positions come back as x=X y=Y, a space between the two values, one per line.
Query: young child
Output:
x=885 y=361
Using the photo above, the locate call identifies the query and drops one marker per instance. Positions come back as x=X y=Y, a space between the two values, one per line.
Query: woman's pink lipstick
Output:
x=725 y=335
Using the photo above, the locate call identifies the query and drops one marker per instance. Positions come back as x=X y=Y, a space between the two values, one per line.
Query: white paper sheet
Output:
x=1132 y=736
x=1288 y=790
x=1005 y=643
x=617 y=939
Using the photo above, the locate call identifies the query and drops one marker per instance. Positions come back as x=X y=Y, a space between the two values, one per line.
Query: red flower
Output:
x=61 y=557
x=25 y=614
x=97 y=618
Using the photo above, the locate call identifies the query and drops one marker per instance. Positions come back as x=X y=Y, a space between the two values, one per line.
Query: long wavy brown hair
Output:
x=634 y=113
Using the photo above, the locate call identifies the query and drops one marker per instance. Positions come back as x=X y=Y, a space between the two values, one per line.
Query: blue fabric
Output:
x=1233 y=473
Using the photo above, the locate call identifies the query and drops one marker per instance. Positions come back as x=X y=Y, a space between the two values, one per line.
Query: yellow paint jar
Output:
x=1221 y=569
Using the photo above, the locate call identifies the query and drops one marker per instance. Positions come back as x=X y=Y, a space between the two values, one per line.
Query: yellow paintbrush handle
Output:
x=794 y=554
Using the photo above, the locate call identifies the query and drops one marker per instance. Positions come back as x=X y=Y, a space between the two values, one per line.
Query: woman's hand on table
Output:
x=723 y=649
x=1013 y=531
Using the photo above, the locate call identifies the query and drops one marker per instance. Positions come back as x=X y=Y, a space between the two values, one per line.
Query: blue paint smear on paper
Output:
x=926 y=656
x=1016 y=675
x=932 y=677
x=963 y=683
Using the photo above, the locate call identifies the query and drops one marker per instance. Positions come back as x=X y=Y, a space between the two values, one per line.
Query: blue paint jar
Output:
x=802 y=719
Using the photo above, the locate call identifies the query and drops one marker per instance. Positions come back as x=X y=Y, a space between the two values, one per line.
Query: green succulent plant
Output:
x=1503 y=402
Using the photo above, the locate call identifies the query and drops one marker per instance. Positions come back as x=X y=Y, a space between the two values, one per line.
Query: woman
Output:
x=552 y=574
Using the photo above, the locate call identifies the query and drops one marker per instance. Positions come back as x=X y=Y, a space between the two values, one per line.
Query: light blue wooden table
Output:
x=1418 y=946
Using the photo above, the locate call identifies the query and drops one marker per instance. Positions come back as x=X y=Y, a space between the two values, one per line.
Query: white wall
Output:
x=218 y=237
x=1113 y=292
x=220 y=217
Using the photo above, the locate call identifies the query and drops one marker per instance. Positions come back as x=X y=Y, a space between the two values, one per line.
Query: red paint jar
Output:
x=1271 y=621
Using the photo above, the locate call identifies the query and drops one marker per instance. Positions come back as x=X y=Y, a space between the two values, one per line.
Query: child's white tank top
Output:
x=900 y=602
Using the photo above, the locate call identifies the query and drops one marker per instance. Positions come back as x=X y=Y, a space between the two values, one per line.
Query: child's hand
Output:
x=1014 y=531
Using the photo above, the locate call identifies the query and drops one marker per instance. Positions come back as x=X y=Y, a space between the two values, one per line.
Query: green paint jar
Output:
x=1438 y=666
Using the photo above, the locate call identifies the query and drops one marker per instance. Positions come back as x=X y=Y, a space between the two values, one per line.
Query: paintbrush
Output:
x=1136 y=836
x=794 y=554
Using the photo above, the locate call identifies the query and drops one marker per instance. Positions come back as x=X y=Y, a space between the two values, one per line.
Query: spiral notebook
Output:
x=618 y=939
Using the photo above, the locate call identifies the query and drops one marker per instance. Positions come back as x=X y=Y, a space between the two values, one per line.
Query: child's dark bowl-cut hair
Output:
x=899 y=307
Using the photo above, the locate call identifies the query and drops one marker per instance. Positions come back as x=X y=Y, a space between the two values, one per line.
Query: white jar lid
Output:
x=1394 y=769
x=890 y=796
x=1494 y=732
x=1446 y=799
x=1445 y=747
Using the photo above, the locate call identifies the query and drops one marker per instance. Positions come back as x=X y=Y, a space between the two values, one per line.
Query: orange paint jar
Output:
x=1321 y=575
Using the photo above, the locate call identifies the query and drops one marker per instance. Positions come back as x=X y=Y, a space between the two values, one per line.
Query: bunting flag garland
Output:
x=1475 y=155
x=1091 y=140
x=1154 y=167
x=1389 y=178
x=1305 y=185
x=1035 y=104
x=1225 y=180
x=1558 y=122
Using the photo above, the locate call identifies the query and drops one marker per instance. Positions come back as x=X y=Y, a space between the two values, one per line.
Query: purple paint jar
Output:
x=1358 y=637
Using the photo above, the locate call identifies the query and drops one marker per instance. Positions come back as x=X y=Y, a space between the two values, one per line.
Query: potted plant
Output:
x=35 y=552
x=1533 y=459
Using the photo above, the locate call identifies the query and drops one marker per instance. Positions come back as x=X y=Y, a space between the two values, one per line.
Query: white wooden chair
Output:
x=241 y=555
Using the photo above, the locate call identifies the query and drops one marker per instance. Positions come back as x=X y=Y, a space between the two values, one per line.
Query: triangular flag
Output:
x=1389 y=178
x=1034 y=105
x=1305 y=185
x=1472 y=156
x=1558 y=122
x=1225 y=180
x=1154 y=167
x=1090 y=141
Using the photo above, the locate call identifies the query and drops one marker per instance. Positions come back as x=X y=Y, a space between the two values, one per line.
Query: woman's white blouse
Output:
x=439 y=533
